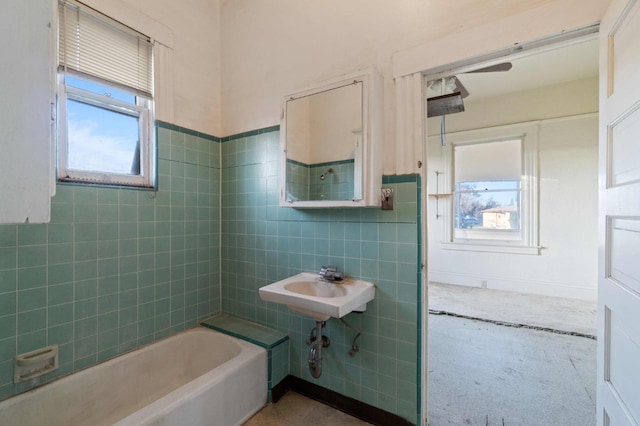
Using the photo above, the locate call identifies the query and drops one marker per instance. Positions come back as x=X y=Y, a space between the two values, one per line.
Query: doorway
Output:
x=513 y=262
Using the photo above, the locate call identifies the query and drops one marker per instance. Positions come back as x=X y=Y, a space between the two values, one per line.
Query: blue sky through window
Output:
x=100 y=139
x=100 y=89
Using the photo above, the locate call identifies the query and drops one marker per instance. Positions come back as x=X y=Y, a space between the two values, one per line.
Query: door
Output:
x=619 y=241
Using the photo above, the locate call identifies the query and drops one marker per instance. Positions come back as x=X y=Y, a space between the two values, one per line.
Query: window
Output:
x=487 y=191
x=105 y=100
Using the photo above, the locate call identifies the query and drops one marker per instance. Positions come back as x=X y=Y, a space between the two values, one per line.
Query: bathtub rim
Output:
x=54 y=383
x=166 y=404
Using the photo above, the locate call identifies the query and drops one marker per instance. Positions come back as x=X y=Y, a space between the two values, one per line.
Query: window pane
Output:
x=501 y=161
x=101 y=140
x=100 y=89
x=487 y=210
x=496 y=185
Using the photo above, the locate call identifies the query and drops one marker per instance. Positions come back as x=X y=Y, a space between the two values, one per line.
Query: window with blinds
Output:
x=488 y=190
x=105 y=101
x=94 y=45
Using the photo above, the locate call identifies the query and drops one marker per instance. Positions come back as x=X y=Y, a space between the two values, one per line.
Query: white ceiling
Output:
x=567 y=63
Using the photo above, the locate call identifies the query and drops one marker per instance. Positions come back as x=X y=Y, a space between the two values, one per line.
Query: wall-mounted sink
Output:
x=311 y=296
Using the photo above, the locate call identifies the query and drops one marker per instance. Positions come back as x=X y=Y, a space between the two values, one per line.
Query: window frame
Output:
x=529 y=221
x=143 y=110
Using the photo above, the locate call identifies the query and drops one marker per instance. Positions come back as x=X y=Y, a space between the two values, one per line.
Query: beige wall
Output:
x=187 y=68
x=233 y=60
x=299 y=131
x=275 y=47
x=568 y=98
x=568 y=188
x=342 y=108
x=320 y=127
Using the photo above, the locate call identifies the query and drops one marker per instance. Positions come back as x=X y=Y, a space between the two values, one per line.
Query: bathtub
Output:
x=198 y=377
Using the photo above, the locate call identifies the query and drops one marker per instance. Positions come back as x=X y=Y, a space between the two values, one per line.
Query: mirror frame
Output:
x=370 y=169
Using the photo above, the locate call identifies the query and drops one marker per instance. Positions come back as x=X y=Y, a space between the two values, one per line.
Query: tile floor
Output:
x=297 y=410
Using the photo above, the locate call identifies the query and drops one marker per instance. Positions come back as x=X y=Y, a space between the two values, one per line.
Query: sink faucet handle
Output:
x=330 y=273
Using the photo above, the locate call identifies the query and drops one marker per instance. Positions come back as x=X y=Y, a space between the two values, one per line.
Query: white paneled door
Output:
x=619 y=252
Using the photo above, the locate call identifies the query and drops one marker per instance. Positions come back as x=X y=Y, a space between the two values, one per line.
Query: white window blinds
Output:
x=95 y=45
x=488 y=161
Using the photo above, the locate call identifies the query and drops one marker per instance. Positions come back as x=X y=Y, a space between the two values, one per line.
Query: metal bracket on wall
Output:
x=386 y=196
x=439 y=195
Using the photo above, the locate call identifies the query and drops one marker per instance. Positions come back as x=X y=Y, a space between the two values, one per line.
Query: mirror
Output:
x=323 y=136
x=325 y=139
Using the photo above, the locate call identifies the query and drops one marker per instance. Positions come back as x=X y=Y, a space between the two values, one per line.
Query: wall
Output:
x=81 y=282
x=299 y=130
x=187 y=67
x=115 y=268
x=334 y=117
x=568 y=167
x=270 y=49
x=25 y=121
x=308 y=120
x=263 y=243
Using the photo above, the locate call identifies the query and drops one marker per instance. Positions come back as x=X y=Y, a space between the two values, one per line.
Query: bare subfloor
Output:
x=297 y=410
x=482 y=373
x=558 y=313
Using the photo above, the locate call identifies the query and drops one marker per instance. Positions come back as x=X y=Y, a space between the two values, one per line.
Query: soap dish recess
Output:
x=35 y=363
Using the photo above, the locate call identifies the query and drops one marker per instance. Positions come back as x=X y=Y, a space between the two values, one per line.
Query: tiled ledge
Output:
x=274 y=342
x=257 y=334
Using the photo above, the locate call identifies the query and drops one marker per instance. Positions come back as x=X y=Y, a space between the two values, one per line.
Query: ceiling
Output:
x=567 y=63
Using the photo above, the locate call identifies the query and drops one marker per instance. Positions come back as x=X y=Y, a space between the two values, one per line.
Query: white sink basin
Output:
x=309 y=295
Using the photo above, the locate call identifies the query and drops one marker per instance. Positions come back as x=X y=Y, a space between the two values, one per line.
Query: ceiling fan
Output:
x=453 y=91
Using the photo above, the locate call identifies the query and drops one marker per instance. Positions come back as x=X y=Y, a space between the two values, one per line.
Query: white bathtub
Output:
x=199 y=377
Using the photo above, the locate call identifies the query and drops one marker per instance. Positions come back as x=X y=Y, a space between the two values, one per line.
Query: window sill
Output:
x=72 y=182
x=492 y=248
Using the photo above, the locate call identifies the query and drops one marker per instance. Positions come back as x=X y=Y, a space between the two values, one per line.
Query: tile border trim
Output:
x=169 y=126
x=390 y=179
x=245 y=338
x=250 y=133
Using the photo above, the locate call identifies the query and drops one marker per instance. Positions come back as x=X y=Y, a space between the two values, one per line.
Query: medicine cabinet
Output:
x=330 y=140
x=26 y=120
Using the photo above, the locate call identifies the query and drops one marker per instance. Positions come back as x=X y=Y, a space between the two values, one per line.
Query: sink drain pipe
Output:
x=317 y=342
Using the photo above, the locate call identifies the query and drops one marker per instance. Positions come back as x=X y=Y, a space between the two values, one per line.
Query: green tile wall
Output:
x=119 y=268
x=262 y=243
x=337 y=185
x=304 y=182
x=297 y=181
x=279 y=362
x=115 y=268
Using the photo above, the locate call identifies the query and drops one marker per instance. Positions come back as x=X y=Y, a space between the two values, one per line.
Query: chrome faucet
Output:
x=330 y=273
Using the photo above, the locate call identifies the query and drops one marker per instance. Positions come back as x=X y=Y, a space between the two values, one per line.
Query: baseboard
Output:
x=537 y=287
x=353 y=407
x=279 y=390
